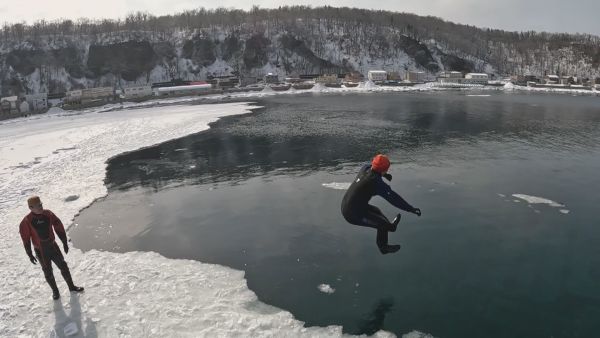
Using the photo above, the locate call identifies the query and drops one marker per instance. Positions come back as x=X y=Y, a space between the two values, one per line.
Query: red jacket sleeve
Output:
x=58 y=226
x=25 y=235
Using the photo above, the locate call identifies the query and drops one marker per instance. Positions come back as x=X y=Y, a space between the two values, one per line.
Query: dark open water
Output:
x=249 y=194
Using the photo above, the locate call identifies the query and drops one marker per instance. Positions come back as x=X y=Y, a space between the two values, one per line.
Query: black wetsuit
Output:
x=357 y=210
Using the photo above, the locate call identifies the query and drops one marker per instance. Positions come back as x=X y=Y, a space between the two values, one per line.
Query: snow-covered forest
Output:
x=141 y=48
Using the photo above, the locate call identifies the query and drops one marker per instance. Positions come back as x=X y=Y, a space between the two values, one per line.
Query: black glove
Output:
x=32 y=259
x=417 y=212
x=387 y=176
x=66 y=247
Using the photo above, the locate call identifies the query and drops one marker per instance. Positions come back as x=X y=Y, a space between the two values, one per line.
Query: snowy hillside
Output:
x=54 y=57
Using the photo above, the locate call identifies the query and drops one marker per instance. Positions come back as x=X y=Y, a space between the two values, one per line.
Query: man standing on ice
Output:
x=38 y=227
x=357 y=210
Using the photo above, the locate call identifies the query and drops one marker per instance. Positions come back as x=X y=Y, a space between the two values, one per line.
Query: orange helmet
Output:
x=380 y=163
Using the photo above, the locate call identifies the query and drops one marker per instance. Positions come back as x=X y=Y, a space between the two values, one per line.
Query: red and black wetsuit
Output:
x=38 y=229
x=357 y=210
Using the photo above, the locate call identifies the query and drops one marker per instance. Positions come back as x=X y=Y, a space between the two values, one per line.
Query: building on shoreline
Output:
x=73 y=97
x=89 y=97
x=453 y=77
x=377 y=75
x=194 y=89
x=330 y=80
x=9 y=106
x=137 y=92
x=476 y=78
x=415 y=77
x=37 y=102
x=551 y=79
x=271 y=78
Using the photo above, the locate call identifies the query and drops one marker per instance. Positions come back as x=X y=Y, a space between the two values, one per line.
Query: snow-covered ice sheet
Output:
x=127 y=295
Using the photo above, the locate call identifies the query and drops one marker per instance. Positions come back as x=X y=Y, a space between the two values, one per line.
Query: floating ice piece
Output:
x=326 y=288
x=337 y=185
x=564 y=211
x=538 y=200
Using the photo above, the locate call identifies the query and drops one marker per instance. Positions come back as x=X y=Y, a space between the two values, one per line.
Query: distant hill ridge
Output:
x=64 y=55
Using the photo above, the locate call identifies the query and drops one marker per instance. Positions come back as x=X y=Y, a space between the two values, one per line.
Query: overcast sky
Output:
x=572 y=16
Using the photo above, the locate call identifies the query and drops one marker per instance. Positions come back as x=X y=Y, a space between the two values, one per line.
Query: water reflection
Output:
x=375 y=320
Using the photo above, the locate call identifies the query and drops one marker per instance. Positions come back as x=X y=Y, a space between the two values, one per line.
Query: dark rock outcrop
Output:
x=128 y=59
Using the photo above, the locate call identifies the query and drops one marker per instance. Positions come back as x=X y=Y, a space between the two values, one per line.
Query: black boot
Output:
x=76 y=288
x=386 y=249
x=67 y=276
x=52 y=282
x=395 y=222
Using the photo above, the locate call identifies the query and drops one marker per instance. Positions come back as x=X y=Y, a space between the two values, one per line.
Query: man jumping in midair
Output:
x=357 y=210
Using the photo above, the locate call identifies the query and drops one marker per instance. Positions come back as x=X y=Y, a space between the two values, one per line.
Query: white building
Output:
x=9 y=104
x=552 y=79
x=327 y=79
x=450 y=75
x=417 y=77
x=566 y=80
x=476 y=78
x=184 y=90
x=271 y=78
x=73 y=96
x=37 y=102
x=98 y=93
x=24 y=107
x=135 y=92
x=377 y=75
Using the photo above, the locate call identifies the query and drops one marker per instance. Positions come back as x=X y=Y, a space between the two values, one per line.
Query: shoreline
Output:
x=363 y=88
